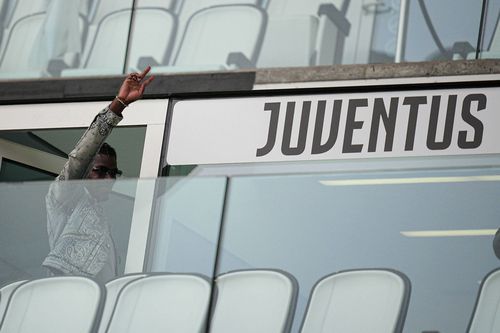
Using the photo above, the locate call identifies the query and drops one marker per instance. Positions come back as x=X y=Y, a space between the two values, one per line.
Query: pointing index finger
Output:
x=145 y=72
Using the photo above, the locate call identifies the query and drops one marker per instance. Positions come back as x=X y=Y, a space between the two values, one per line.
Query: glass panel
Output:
x=105 y=39
x=63 y=38
x=384 y=31
x=158 y=20
x=73 y=38
x=434 y=36
x=491 y=35
x=84 y=227
x=435 y=225
x=186 y=225
x=278 y=33
x=69 y=209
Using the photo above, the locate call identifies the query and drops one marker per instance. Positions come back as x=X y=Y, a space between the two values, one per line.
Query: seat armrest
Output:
x=56 y=66
x=146 y=61
x=336 y=16
x=239 y=60
x=463 y=49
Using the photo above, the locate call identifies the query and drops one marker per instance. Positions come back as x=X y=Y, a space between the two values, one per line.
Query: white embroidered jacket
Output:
x=79 y=236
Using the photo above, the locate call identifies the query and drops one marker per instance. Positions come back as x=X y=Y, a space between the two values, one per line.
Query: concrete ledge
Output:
x=209 y=83
x=377 y=71
x=105 y=88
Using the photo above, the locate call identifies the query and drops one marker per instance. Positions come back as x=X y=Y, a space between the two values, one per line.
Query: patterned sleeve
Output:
x=76 y=248
x=81 y=157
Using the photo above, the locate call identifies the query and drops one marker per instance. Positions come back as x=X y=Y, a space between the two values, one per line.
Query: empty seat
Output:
x=14 y=10
x=105 y=54
x=464 y=50
x=304 y=33
x=186 y=9
x=254 y=301
x=54 y=305
x=5 y=293
x=493 y=51
x=60 y=38
x=220 y=37
x=358 y=301
x=99 y=9
x=113 y=288
x=494 y=47
x=16 y=59
x=37 y=39
x=162 y=303
x=160 y=27
x=486 y=315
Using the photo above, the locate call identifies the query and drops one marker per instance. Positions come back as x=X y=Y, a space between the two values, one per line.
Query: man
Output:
x=79 y=236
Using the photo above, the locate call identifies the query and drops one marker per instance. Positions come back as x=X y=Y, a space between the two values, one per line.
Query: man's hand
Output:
x=131 y=90
x=133 y=87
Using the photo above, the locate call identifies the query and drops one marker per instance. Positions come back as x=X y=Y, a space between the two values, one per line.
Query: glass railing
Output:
x=186 y=224
x=87 y=38
x=434 y=226
x=101 y=228
x=490 y=37
x=432 y=35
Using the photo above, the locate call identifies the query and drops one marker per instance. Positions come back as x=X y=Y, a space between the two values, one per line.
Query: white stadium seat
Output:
x=358 y=301
x=5 y=293
x=113 y=288
x=15 y=60
x=160 y=27
x=105 y=54
x=486 y=315
x=254 y=301
x=162 y=303
x=54 y=305
x=220 y=37
x=304 y=33
x=186 y=9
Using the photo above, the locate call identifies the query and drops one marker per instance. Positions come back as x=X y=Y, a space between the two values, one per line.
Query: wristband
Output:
x=121 y=101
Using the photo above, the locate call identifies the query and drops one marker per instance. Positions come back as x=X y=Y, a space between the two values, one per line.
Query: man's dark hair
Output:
x=107 y=150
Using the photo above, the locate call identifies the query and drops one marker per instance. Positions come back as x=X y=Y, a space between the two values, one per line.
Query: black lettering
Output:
x=273 y=128
x=389 y=120
x=414 y=102
x=317 y=147
x=476 y=124
x=286 y=148
x=352 y=124
x=432 y=142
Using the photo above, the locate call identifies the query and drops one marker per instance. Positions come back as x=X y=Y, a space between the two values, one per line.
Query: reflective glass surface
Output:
x=185 y=231
x=55 y=38
x=87 y=227
x=74 y=38
x=29 y=214
x=490 y=40
x=436 y=227
x=442 y=30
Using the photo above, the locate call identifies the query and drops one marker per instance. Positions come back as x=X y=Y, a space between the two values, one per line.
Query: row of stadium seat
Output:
x=177 y=36
x=374 y=300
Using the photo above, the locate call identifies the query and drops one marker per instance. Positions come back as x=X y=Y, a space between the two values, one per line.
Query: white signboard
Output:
x=335 y=126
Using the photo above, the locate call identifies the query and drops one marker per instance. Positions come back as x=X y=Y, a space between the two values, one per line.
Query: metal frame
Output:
x=149 y=113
